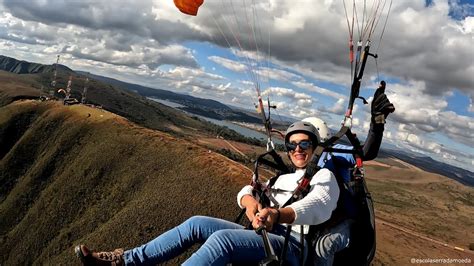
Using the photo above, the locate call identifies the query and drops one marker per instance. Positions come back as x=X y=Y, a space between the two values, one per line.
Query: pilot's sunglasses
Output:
x=304 y=145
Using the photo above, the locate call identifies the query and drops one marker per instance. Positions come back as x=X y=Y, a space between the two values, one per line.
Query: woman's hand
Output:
x=266 y=217
x=251 y=207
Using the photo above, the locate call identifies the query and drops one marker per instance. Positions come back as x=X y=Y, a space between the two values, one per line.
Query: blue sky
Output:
x=459 y=103
x=425 y=55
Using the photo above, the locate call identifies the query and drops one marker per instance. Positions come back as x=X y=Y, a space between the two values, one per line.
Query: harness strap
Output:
x=285 y=245
x=277 y=166
x=312 y=168
x=329 y=149
x=304 y=185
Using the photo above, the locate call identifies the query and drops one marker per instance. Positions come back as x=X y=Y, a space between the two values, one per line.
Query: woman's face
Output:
x=300 y=157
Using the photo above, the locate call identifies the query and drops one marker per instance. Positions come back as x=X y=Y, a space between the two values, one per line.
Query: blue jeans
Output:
x=331 y=241
x=223 y=242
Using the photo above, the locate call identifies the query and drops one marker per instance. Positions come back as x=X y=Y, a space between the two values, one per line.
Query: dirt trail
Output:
x=409 y=166
x=235 y=149
x=418 y=235
x=377 y=163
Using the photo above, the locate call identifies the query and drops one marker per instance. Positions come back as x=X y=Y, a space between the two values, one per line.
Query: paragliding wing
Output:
x=189 y=7
x=62 y=91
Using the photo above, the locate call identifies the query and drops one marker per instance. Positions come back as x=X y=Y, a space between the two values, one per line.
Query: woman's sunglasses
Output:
x=304 y=145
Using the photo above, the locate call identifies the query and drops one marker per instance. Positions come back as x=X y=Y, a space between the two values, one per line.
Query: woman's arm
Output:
x=251 y=206
x=320 y=202
x=246 y=201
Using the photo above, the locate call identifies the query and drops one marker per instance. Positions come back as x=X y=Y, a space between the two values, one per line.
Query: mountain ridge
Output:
x=80 y=174
x=201 y=106
x=428 y=164
x=24 y=67
x=121 y=104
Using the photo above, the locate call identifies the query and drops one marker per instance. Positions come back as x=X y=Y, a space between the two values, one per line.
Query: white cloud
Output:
x=286 y=42
x=277 y=74
x=229 y=64
x=338 y=108
x=190 y=73
x=427 y=114
x=301 y=99
x=313 y=88
x=467 y=26
x=281 y=105
x=302 y=41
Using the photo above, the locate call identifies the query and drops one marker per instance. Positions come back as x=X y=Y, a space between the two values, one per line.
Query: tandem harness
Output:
x=356 y=186
x=365 y=220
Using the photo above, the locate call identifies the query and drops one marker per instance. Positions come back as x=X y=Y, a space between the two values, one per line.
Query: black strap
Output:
x=277 y=163
x=285 y=245
x=280 y=167
x=330 y=149
x=312 y=168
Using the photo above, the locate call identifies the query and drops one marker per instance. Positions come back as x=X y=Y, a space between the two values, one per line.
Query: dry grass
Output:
x=75 y=174
x=14 y=87
x=102 y=181
x=427 y=203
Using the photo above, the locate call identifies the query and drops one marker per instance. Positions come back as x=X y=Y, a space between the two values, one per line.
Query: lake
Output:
x=166 y=102
x=247 y=132
x=241 y=130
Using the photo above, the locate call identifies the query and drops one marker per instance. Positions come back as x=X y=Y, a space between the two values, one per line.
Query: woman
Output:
x=226 y=242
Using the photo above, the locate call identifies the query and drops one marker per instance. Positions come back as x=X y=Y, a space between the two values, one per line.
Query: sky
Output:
x=295 y=52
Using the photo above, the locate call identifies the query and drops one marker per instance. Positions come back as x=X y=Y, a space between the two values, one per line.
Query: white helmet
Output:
x=321 y=126
x=303 y=127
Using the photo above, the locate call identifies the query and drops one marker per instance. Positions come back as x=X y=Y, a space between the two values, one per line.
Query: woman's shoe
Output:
x=89 y=257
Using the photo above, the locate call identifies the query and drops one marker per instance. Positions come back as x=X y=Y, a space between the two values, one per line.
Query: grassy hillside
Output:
x=76 y=174
x=82 y=175
x=125 y=103
x=15 y=87
x=122 y=102
x=26 y=80
x=24 y=67
x=431 y=205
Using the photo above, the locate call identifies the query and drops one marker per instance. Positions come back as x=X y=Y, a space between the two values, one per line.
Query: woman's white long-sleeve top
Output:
x=313 y=209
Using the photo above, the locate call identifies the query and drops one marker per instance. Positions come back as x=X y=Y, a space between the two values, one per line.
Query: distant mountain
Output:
x=76 y=174
x=195 y=105
x=205 y=107
x=107 y=92
x=24 y=67
x=461 y=175
x=426 y=163
x=36 y=78
x=14 y=87
x=279 y=122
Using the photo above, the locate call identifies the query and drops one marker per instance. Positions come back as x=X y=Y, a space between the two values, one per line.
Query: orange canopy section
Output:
x=189 y=7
